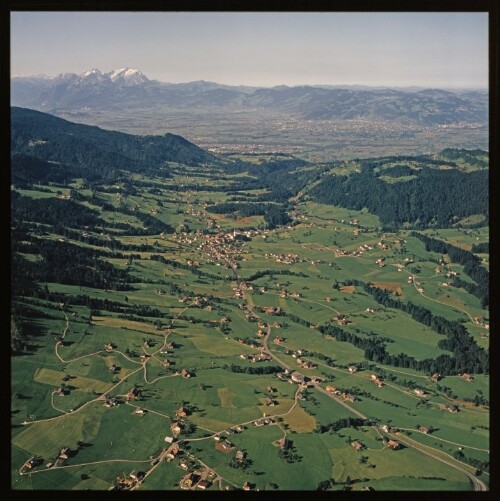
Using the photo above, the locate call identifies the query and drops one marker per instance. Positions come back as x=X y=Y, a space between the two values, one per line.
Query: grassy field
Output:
x=227 y=386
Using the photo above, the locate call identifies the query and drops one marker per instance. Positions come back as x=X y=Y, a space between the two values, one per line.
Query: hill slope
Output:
x=97 y=152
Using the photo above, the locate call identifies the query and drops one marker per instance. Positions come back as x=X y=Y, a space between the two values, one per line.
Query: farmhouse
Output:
x=420 y=392
x=349 y=396
x=172 y=451
x=357 y=445
x=110 y=402
x=185 y=464
x=189 y=480
x=136 y=475
x=224 y=445
x=330 y=388
x=176 y=427
x=353 y=369
x=393 y=444
x=467 y=377
x=185 y=374
x=204 y=484
x=140 y=412
x=270 y=402
x=63 y=454
x=133 y=393
x=436 y=377
x=182 y=412
x=297 y=377
x=424 y=429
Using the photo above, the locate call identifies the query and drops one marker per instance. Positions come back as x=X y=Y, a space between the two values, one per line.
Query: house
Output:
x=63 y=454
x=467 y=377
x=385 y=428
x=420 y=392
x=436 y=377
x=176 y=428
x=278 y=339
x=393 y=444
x=185 y=374
x=114 y=369
x=349 y=397
x=357 y=445
x=330 y=388
x=270 y=402
x=133 y=393
x=140 y=412
x=424 y=429
x=379 y=383
x=284 y=442
x=137 y=475
x=240 y=455
x=204 y=484
x=270 y=389
x=353 y=369
x=172 y=451
x=224 y=445
x=188 y=481
x=61 y=391
x=111 y=402
x=109 y=347
x=182 y=412
x=297 y=377
x=185 y=464
x=246 y=486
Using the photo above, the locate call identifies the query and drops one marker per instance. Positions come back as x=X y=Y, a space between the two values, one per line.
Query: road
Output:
x=478 y=484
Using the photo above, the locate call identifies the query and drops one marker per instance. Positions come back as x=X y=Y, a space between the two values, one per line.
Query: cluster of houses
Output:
x=344 y=394
x=270 y=310
x=262 y=357
x=112 y=402
x=265 y=421
x=285 y=258
x=126 y=483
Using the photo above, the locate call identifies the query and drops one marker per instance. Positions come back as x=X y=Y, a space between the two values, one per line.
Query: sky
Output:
x=443 y=49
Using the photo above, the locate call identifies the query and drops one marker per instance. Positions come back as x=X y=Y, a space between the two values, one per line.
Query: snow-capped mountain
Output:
x=127 y=76
x=128 y=88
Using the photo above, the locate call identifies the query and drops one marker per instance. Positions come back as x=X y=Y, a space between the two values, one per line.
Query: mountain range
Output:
x=128 y=88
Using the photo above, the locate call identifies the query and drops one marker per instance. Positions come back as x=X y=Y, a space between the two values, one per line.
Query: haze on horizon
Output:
x=444 y=50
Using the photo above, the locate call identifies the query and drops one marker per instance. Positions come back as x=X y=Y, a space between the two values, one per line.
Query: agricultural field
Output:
x=190 y=349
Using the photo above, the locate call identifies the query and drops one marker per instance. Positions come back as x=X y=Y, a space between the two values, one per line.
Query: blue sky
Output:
x=447 y=49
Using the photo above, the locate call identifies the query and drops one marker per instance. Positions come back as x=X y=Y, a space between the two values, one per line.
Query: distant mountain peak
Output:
x=92 y=72
x=130 y=76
